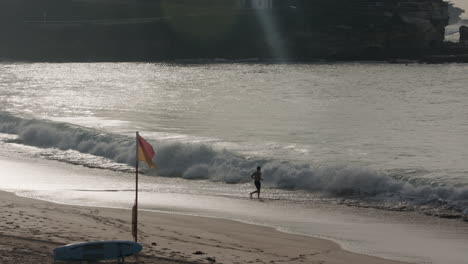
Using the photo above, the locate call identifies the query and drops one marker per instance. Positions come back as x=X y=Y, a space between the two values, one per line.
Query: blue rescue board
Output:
x=98 y=250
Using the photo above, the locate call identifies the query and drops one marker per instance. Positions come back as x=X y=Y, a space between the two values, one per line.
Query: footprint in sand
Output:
x=211 y=259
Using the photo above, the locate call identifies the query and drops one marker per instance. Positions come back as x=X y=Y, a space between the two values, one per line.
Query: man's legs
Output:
x=253 y=193
x=258 y=184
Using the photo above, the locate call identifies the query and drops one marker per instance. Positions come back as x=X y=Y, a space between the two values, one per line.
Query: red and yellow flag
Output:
x=145 y=152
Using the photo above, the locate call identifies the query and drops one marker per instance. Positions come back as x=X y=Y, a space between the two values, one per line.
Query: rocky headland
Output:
x=142 y=30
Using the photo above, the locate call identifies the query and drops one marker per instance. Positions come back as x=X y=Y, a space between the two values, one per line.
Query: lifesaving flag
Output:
x=145 y=151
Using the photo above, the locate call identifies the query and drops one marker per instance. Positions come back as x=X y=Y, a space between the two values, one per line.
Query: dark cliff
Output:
x=233 y=29
x=455 y=14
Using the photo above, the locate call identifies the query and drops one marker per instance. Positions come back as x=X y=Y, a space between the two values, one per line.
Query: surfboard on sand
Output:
x=97 y=250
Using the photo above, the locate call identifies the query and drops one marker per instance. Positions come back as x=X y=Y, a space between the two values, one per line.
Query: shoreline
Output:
x=427 y=59
x=354 y=231
x=32 y=228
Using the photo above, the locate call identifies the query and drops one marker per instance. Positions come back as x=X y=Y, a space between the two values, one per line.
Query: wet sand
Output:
x=30 y=229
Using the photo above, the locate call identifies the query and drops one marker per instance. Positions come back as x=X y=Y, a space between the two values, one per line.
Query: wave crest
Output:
x=199 y=161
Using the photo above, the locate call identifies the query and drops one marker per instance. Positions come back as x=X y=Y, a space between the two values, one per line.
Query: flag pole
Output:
x=135 y=207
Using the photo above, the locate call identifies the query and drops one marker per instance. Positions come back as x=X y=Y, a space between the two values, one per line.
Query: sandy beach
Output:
x=30 y=229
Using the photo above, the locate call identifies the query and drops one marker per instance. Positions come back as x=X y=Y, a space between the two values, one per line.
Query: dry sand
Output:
x=31 y=229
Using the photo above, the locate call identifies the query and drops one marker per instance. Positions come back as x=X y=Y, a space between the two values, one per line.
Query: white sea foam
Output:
x=201 y=161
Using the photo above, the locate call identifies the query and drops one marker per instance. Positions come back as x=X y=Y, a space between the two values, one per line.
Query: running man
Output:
x=257 y=176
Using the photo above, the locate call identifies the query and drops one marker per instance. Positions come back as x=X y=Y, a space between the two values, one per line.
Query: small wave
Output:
x=200 y=161
x=63 y=136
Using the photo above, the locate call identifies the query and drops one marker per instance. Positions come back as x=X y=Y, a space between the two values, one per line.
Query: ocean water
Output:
x=366 y=137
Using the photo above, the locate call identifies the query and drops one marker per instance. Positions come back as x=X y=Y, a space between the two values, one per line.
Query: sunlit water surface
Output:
x=408 y=121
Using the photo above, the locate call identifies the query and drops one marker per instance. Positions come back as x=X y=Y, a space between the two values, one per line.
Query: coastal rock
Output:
x=464 y=36
x=454 y=13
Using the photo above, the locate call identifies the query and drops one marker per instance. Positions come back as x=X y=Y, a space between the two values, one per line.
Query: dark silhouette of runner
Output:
x=257 y=176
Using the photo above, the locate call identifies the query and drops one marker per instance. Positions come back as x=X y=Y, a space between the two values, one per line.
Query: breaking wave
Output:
x=200 y=161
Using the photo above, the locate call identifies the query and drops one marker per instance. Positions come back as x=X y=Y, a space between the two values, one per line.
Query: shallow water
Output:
x=396 y=235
